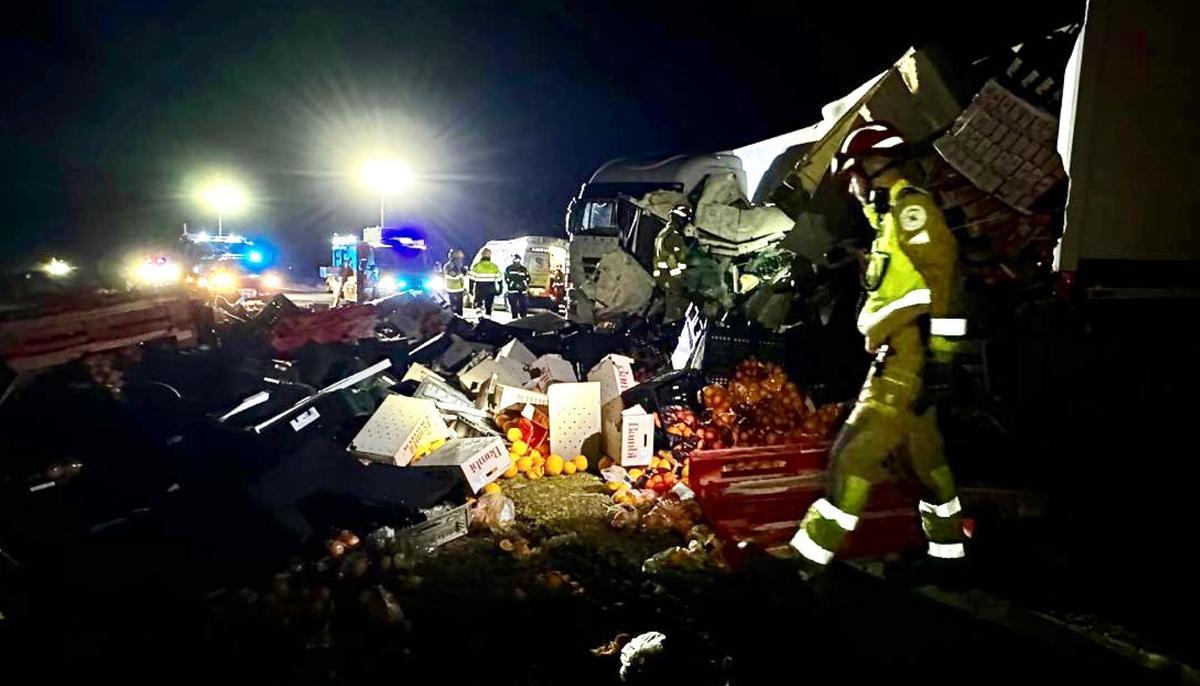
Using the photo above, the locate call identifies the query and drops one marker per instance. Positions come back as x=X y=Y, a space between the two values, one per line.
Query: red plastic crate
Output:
x=759 y=496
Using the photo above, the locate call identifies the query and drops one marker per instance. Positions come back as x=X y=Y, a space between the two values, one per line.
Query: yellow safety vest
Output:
x=453 y=279
x=911 y=269
x=485 y=271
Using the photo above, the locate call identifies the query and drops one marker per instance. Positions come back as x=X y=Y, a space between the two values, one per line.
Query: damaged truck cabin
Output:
x=733 y=194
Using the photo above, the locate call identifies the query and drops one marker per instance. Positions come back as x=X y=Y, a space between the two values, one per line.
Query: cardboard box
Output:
x=507 y=370
x=419 y=372
x=575 y=419
x=479 y=461
x=516 y=350
x=630 y=441
x=400 y=425
x=614 y=373
x=552 y=369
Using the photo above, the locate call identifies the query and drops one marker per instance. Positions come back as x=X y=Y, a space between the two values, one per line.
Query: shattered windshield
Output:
x=600 y=215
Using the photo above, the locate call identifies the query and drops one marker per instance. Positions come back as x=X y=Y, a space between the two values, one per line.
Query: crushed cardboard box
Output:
x=505 y=369
x=551 y=369
x=624 y=435
x=516 y=350
x=398 y=428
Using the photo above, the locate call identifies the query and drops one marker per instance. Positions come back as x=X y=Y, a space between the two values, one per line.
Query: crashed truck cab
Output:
x=603 y=215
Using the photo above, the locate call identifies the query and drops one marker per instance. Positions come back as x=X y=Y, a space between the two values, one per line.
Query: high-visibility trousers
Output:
x=882 y=423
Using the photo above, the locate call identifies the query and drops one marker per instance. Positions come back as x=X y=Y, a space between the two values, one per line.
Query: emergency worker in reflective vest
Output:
x=908 y=324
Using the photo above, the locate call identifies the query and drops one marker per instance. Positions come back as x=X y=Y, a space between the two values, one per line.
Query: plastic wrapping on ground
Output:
x=494 y=511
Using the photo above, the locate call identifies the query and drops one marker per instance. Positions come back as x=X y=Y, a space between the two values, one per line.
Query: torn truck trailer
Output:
x=1128 y=138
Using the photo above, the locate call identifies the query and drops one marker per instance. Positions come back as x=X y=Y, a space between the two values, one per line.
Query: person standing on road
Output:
x=908 y=324
x=454 y=278
x=516 y=282
x=558 y=288
x=486 y=276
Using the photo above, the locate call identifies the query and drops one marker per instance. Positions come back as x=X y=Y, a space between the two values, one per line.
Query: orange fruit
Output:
x=535 y=473
x=635 y=474
x=535 y=454
x=569 y=468
x=519 y=447
x=512 y=470
x=513 y=434
x=525 y=463
x=580 y=463
x=554 y=465
x=613 y=485
x=492 y=488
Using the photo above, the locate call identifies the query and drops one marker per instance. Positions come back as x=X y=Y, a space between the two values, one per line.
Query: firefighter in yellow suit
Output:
x=907 y=323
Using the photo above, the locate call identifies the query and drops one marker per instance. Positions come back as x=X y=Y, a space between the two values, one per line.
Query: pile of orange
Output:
x=534 y=465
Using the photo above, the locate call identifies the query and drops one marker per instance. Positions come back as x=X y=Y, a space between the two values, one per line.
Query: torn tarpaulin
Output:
x=619 y=286
x=729 y=225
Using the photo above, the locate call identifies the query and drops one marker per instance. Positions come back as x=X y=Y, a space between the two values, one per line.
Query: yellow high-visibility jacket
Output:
x=911 y=269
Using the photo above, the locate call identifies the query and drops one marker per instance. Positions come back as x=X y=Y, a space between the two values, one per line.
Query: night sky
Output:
x=114 y=111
